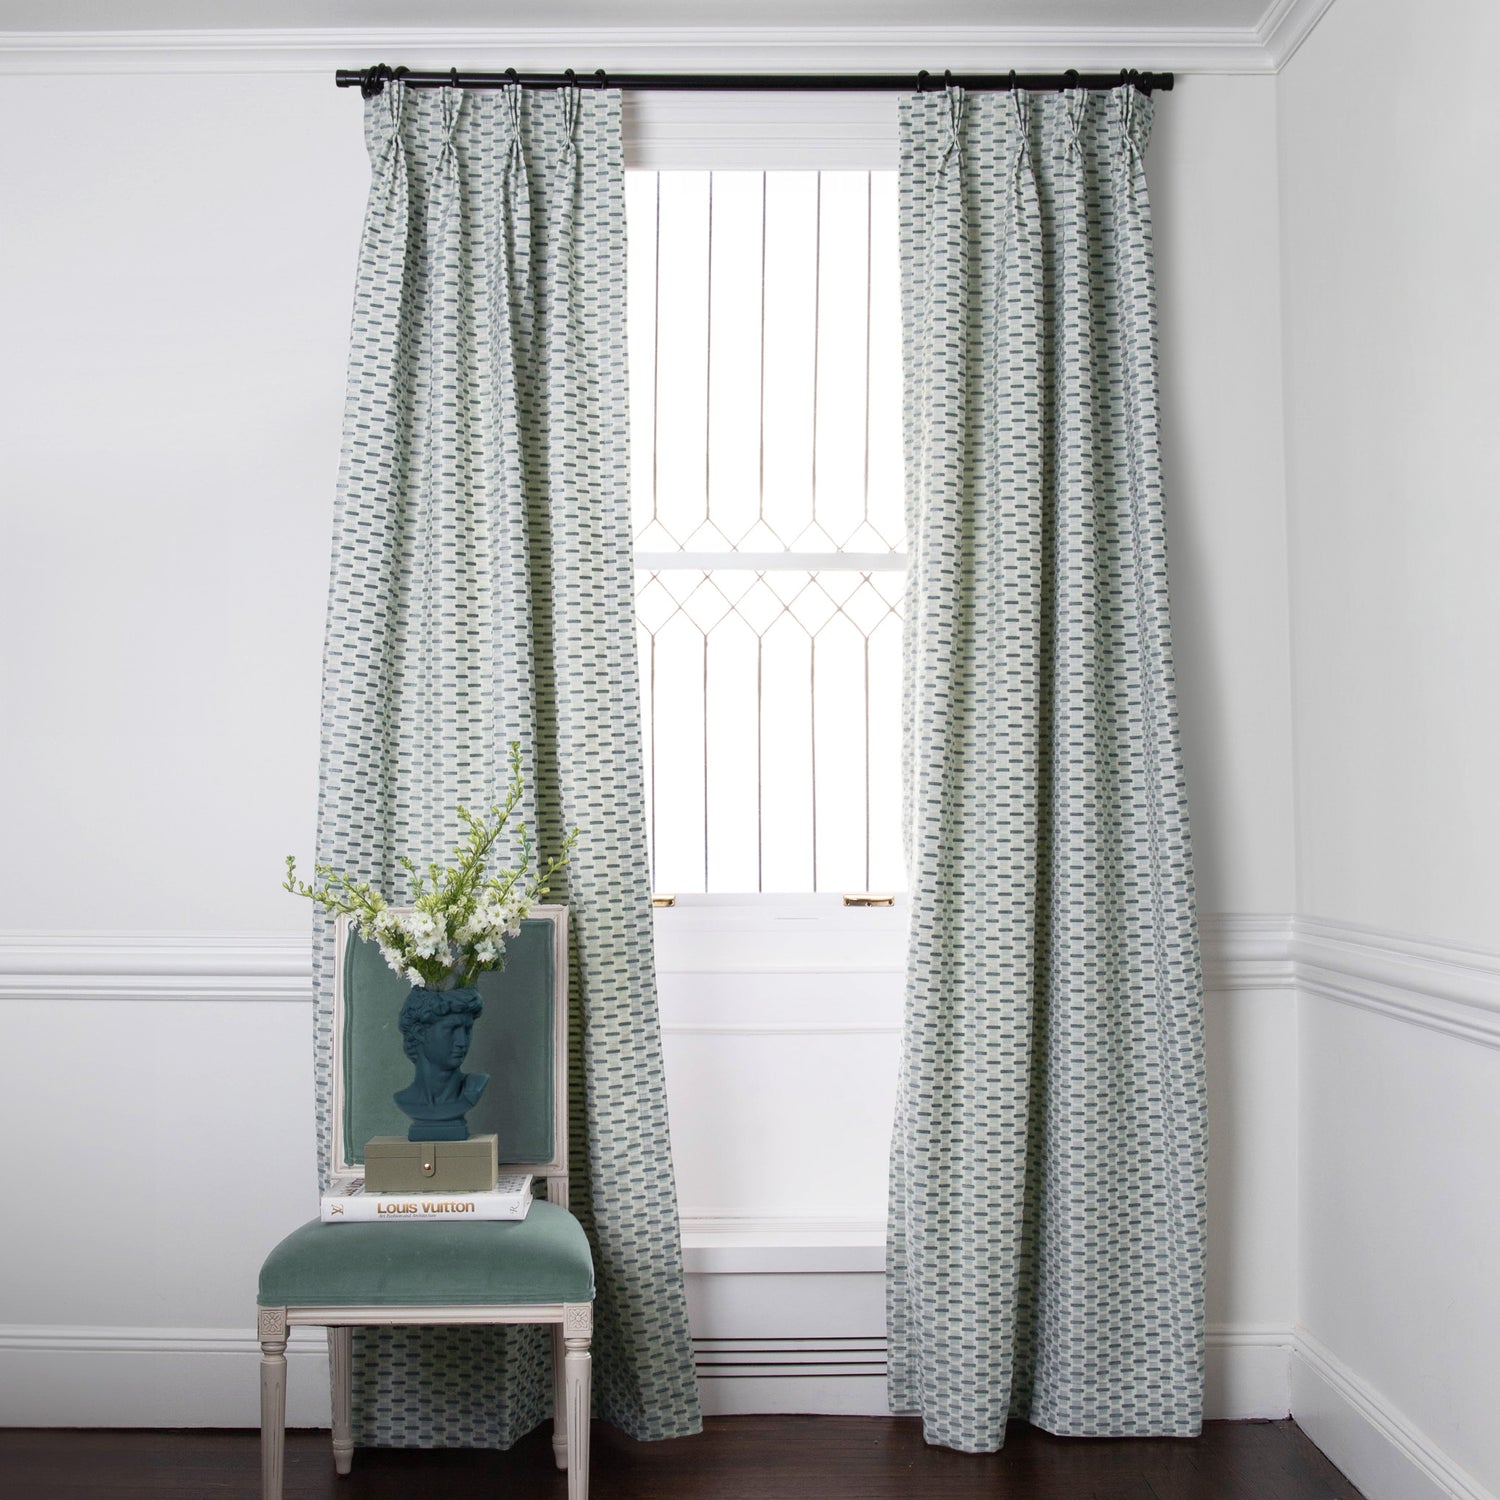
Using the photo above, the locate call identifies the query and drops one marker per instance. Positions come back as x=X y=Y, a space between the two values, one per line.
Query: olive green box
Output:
x=394 y=1164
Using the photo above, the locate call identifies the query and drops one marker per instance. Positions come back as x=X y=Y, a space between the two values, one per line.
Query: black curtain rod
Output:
x=370 y=81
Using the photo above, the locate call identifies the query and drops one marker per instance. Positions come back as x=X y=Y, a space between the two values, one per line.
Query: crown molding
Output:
x=1285 y=26
x=862 y=49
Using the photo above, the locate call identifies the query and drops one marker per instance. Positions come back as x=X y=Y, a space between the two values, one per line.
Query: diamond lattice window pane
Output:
x=886 y=868
x=732 y=754
x=760 y=606
x=866 y=606
x=765 y=358
x=706 y=605
x=676 y=772
x=843 y=344
x=734 y=353
x=787 y=758
x=679 y=496
x=791 y=329
x=886 y=514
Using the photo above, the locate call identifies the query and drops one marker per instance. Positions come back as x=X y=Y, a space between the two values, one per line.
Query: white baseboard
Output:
x=200 y=1377
x=209 y=1377
x=1248 y=1373
x=153 y=1377
x=1376 y=1446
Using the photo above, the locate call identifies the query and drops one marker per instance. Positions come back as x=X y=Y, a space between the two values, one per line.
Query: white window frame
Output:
x=739 y=968
x=766 y=131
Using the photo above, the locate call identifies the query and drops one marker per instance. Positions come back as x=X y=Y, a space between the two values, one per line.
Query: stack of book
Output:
x=347 y=1202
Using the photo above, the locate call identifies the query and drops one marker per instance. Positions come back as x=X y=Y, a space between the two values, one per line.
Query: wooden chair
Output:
x=536 y=1270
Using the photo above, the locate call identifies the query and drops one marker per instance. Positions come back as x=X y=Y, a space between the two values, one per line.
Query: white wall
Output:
x=1390 y=133
x=1212 y=173
x=1391 y=208
x=175 y=282
x=174 y=286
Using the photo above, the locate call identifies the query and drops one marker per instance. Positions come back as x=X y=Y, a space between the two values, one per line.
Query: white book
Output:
x=348 y=1203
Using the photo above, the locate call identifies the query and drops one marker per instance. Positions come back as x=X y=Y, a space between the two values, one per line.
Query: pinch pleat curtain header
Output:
x=1046 y=1227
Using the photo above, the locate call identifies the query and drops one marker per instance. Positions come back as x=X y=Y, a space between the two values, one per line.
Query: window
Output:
x=766 y=432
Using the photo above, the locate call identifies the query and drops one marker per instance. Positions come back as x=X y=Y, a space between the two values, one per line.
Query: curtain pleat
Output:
x=481 y=593
x=1046 y=1239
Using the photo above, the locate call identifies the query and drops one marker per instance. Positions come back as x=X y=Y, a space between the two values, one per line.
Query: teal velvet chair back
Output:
x=520 y=1040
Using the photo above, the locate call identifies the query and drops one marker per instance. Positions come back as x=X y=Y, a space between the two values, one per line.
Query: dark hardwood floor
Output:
x=735 y=1458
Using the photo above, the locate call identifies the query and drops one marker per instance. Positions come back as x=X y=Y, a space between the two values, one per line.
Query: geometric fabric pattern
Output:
x=482 y=592
x=1046 y=1229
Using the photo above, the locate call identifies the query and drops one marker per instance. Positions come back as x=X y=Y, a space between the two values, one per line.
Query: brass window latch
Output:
x=661 y=902
x=868 y=898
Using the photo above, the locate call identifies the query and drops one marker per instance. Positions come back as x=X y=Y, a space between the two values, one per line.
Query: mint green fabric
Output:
x=1046 y=1230
x=481 y=591
x=512 y=1043
x=541 y=1258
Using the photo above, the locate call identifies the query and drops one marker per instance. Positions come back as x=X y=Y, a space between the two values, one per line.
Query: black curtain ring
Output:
x=513 y=77
x=572 y=78
x=453 y=78
x=603 y=81
x=399 y=73
x=922 y=78
x=1012 y=80
x=1071 y=76
x=947 y=78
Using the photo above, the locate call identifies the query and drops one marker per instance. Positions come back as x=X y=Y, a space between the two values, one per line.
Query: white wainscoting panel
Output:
x=130 y=1301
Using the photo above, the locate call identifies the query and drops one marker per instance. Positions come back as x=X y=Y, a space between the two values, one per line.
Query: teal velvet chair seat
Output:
x=440 y=1272
x=543 y=1258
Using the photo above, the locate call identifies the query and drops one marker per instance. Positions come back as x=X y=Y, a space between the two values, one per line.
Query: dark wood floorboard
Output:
x=735 y=1458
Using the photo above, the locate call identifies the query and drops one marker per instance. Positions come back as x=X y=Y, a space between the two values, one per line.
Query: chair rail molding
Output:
x=1441 y=986
x=155 y=966
x=1421 y=981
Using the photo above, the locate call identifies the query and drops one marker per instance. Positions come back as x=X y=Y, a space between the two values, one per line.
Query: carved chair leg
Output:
x=559 y=1398
x=341 y=1378
x=578 y=1328
x=272 y=1329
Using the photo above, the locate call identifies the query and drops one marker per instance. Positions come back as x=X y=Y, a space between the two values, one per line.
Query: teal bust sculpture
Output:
x=435 y=1029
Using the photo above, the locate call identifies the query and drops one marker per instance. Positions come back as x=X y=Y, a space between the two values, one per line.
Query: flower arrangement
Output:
x=459 y=917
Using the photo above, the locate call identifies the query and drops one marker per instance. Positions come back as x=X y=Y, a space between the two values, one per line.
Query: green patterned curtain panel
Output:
x=1046 y=1241
x=481 y=593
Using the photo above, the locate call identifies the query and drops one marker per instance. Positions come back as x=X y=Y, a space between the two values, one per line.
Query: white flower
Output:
x=420 y=927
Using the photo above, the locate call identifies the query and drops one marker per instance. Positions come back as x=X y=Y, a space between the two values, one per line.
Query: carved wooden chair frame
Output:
x=572 y=1323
